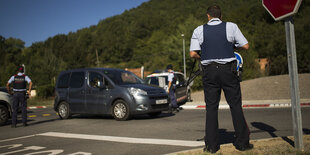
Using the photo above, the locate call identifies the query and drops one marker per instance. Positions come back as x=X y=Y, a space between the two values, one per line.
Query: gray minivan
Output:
x=116 y=92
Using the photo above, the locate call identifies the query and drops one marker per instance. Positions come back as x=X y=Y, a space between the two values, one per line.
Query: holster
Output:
x=234 y=67
x=236 y=71
x=26 y=96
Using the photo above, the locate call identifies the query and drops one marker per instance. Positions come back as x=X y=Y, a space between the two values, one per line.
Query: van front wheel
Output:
x=64 y=110
x=120 y=110
x=4 y=114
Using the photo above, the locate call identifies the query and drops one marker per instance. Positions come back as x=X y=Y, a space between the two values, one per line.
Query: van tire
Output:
x=4 y=115
x=64 y=110
x=120 y=110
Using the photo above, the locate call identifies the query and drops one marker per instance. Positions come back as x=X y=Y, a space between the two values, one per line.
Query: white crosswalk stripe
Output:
x=125 y=139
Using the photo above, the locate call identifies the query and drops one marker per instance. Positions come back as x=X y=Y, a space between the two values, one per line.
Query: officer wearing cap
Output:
x=19 y=81
x=216 y=41
x=171 y=88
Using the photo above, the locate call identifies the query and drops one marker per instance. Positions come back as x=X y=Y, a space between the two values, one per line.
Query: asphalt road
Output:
x=88 y=134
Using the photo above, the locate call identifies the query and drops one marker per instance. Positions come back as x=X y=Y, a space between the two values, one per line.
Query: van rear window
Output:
x=77 y=79
x=63 y=81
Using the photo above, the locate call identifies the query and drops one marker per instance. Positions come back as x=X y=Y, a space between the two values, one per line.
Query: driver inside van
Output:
x=95 y=82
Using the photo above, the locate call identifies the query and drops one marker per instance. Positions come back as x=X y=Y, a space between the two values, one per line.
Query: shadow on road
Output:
x=267 y=128
x=225 y=136
x=306 y=131
x=228 y=137
x=109 y=117
x=30 y=123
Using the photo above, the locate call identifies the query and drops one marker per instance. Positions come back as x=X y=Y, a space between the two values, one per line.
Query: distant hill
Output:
x=150 y=35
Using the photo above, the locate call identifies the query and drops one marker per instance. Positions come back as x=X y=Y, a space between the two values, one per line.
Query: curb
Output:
x=226 y=106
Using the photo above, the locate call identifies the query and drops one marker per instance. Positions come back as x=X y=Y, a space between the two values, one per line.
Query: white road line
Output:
x=5 y=140
x=125 y=139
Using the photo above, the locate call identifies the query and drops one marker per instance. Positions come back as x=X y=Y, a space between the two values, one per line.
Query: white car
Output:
x=183 y=92
x=5 y=106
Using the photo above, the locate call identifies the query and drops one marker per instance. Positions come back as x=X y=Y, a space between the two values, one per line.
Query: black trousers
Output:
x=19 y=97
x=173 y=100
x=215 y=78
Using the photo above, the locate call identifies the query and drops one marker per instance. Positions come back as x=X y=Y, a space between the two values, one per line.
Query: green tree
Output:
x=11 y=51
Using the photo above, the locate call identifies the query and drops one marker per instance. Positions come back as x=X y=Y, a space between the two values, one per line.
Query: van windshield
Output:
x=122 y=77
x=157 y=80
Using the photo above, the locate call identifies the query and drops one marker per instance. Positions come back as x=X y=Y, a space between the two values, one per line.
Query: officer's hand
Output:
x=28 y=92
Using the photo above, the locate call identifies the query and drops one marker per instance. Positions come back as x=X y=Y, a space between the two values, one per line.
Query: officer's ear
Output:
x=209 y=17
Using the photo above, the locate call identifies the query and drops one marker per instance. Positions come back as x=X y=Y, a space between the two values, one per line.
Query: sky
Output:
x=37 y=20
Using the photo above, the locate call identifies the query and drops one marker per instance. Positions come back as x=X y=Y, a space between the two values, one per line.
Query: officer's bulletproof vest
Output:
x=174 y=79
x=215 y=44
x=19 y=82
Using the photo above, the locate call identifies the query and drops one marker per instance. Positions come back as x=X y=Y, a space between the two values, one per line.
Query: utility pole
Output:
x=184 y=63
x=98 y=62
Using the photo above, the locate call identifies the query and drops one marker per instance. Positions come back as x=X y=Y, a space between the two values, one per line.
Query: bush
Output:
x=45 y=91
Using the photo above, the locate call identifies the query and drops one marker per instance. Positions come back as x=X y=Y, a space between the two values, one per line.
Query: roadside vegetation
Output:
x=38 y=101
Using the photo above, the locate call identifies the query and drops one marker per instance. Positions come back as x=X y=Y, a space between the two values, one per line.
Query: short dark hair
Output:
x=214 y=11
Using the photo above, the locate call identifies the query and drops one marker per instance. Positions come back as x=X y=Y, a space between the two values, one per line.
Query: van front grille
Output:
x=158 y=97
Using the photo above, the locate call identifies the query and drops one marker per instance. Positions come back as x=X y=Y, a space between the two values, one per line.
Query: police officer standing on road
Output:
x=19 y=81
x=171 y=88
x=216 y=40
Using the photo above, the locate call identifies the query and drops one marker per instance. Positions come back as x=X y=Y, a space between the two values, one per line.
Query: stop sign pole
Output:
x=285 y=9
x=292 y=66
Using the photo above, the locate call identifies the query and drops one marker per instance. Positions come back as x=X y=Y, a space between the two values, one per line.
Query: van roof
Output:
x=100 y=69
x=91 y=69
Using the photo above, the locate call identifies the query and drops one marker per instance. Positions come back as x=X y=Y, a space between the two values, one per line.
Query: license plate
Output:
x=163 y=101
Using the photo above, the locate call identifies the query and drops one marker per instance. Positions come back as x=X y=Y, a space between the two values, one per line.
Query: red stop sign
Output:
x=280 y=9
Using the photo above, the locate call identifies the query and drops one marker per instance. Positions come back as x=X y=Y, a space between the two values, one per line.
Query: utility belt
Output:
x=20 y=92
x=229 y=65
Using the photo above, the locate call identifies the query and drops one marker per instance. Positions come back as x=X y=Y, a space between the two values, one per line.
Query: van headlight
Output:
x=136 y=92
